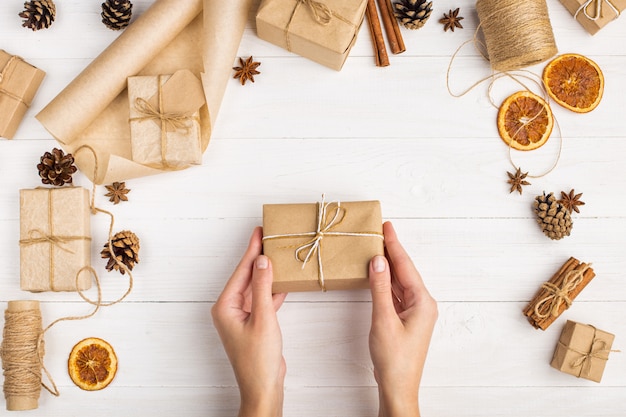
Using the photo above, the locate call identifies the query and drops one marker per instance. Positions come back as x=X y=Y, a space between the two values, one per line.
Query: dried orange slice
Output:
x=575 y=82
x=92 y=364
x=525 y=121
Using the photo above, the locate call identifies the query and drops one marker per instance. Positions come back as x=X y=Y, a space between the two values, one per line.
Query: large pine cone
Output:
x=413 y=14
x=38 y=14
x=56 y=168
x=116 y=14
x=553 y=218
x=126 y=249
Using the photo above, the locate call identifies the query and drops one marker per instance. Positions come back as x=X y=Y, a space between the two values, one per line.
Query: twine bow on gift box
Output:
x=5 y=73
x=598 y=350
x=598 y=9
x=321 y=13
x=327 y=220
x=559 y=295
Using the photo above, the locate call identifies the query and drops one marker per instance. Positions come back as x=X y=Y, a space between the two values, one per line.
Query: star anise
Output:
x=117 y=192
x=571 y=201
x=247 y=70
x=517 y=180
x=451 y=20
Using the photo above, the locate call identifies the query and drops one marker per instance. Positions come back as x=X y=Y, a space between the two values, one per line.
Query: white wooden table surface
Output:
x=438 y=167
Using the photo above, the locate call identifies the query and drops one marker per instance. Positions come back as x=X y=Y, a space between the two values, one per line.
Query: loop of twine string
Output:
x=598 y=9
x=559 y=295
x=325 y=223
x=29 y=371
x=4 y=73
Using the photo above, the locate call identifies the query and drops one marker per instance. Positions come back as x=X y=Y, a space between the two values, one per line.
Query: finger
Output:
x=262 y=275
x=404 y=270
x=240 y=278
x=380 y=285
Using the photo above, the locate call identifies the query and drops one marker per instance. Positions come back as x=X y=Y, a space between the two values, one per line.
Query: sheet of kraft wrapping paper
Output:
x=200 y=35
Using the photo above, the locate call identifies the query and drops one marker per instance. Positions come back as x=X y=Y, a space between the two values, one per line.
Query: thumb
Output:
x=380 y=285
x=262 y=276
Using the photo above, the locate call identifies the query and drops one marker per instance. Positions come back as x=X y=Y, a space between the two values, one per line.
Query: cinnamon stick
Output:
x=392 y=29
x=380 y=53
x=539 y=310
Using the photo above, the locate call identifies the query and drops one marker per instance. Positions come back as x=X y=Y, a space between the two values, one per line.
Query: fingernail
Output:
x=378 y=263
x=261 y=262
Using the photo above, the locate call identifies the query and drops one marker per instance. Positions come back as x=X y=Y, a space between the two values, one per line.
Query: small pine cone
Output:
x=553 y=218
x=413 y=14
x=56 y=168
x=116 y=14
x=126 y=249
x=38 y=14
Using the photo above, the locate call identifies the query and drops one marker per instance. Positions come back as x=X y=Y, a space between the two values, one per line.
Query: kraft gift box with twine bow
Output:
x=582 y=351
x=19 y=82
x=593 y=15
x=323 y=246
x=323 y=31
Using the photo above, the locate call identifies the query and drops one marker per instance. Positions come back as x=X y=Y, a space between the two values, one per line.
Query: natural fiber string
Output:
x=559 y=295
x=598 y=9
x=321 y=13
x=600 y=352
x=325 y=224
x=5 y=73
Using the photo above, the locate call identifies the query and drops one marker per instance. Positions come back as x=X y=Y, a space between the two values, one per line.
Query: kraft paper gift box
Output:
x=593 y=15
x=323 y=31
x=582 y=351
x=341 y=238
x=19 y=82
x=164 y=119
x=55 y=239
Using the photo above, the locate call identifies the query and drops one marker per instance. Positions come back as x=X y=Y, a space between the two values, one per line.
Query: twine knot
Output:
x=559 y=295
x=38 y=236
x=598 y=350
x=597 y=10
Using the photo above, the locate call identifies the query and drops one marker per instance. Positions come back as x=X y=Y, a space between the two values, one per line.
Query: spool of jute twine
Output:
x=517 y=33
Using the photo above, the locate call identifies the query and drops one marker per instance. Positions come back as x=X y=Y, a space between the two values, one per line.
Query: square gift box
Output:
x=323 y=246
x=323 y=31
x=165 y=119
x=19 y=82
x=582 y=351
x=55 y=239
x=593 y=15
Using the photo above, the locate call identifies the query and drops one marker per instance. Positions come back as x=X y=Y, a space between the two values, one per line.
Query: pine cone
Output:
x=413 y=14
x=56 y=168
x=38 y=14
x=116 y=14
x=126 y=249
x=552 y=216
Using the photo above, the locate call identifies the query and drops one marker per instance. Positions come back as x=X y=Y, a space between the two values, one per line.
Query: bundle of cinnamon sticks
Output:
x=556 y=295
x=392 y=29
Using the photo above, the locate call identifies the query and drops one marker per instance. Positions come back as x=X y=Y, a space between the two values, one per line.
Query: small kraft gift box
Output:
x=19 y=82
x=323 y=31
x=165 y=120
x=582 y=351
x=55 y=239
x=593 y=15
x=322 y=246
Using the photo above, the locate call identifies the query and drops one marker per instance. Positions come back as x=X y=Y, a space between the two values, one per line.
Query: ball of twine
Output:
x=517 y=33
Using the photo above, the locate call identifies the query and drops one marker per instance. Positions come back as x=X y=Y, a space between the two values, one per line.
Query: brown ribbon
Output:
x=176 y=121
x=37 y=236
x=5 y=74
x=559 y=295
x=321 y=13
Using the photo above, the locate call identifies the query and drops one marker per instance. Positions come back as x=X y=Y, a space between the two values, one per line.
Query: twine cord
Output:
x=598 y=9
x=326 y=221
x=5 y=73
x=559 y=295
x=598 y=350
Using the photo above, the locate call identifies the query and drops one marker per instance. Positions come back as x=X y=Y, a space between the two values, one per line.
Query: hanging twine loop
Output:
x=327 y=219
x=559 y=295
x=598 y=10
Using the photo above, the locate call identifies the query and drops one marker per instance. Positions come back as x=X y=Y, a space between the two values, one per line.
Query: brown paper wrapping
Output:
x=307 y=29
x=19 y=82
x=156 y=142
x=345 y=259
x=599 y=13
x=169 y=36
x=582 y=351
x=55 y=239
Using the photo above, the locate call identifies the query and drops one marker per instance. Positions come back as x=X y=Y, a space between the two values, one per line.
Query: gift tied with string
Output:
x=593 y=15
x=19 y=82
x=322 y=246
x=582 y=351
x=323 y=31
x=557 y=294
